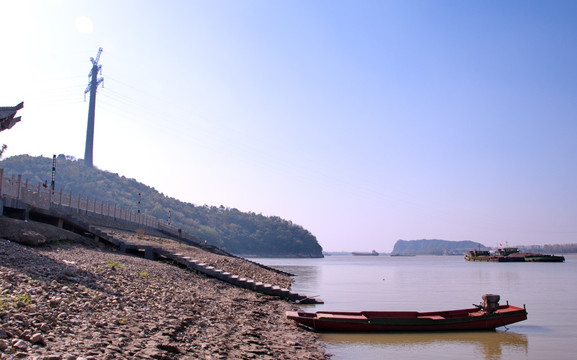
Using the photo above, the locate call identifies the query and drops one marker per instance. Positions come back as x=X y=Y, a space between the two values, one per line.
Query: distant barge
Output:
x=372 y=253
x=511 y=254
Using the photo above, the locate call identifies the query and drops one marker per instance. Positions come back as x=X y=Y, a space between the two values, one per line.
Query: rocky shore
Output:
x=73 y=298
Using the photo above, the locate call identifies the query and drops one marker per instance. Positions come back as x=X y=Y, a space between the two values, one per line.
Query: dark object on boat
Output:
x=487 y=316
x=511 y=254
x=372 y=253
x=490 y=303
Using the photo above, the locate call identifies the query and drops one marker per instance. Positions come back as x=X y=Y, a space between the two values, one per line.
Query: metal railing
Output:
x=41 y=197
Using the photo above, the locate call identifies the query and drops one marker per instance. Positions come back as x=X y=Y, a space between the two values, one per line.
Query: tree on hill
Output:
x=235 y=231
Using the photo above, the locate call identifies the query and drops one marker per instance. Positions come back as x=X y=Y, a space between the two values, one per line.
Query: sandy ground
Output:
x=73 y=298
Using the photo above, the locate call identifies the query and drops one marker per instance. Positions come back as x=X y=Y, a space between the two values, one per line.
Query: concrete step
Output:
x=151 y=252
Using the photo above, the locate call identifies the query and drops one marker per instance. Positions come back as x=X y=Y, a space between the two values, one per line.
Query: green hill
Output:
x=235 y=231
x=435 y=247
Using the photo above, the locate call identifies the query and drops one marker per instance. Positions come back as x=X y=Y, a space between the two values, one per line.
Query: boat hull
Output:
x=545 y=258
x=408 y=321
x=511 y=255
x=373 y=253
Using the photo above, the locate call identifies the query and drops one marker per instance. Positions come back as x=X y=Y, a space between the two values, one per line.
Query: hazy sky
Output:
x=363 y=121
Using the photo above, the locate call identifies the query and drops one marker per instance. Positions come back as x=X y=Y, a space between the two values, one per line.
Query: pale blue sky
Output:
x=363 y=121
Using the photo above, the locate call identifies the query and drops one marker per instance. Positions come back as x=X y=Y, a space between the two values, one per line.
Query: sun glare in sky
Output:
x=84 y=25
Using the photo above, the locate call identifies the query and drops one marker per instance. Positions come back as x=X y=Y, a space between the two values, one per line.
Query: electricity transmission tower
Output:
x=93 y=83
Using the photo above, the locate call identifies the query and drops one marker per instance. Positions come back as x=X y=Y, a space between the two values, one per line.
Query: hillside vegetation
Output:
x=235 y=231
x=435 y=247
x=550 y=248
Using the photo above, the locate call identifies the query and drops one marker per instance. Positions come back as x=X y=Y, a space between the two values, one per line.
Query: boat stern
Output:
x=301 y=318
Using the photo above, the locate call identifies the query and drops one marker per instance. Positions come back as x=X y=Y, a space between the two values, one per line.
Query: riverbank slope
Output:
x=74 y=298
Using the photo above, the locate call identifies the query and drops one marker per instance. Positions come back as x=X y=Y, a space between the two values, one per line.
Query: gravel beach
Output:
x=74 y=298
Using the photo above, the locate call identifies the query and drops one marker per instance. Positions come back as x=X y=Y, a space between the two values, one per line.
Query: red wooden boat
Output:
x=488 y=316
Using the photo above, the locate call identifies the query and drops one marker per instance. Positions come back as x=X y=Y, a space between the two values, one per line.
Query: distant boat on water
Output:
x=372 y=253
x=510 y=254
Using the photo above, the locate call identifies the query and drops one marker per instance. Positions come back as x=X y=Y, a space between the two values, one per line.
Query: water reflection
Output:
x=308 y=277
x=435 y=283
x=487 y=345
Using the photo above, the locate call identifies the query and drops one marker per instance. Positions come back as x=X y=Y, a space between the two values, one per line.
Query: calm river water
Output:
x=428 y=283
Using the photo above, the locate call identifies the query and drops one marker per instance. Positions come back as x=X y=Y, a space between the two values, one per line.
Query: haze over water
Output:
x=429 y=283
x=365 y=120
